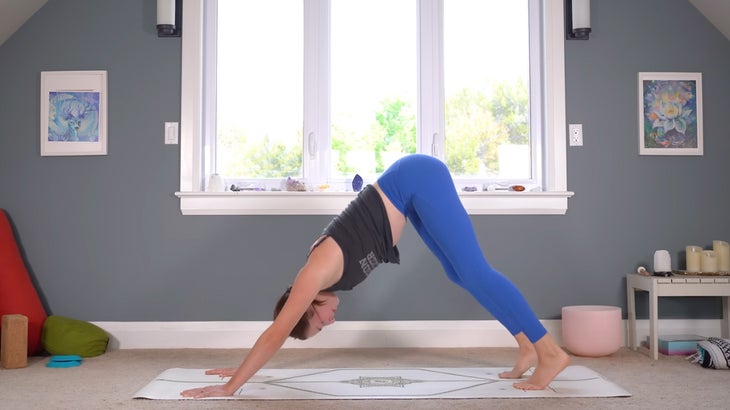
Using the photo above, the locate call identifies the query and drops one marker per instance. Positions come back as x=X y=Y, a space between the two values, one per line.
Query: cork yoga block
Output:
x=14 y=341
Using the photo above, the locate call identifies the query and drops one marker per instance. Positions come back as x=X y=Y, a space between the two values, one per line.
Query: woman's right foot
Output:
x=552 y=359
x=526 y=359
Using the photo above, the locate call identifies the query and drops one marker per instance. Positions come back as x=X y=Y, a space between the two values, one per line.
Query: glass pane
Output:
x=486 y=64
x=259 y=120
x=373 y=85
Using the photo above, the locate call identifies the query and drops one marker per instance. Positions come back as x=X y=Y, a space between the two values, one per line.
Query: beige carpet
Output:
x=110 y=380
x=372 y=384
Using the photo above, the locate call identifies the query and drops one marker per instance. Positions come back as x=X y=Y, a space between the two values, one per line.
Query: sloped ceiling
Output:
x=14 y=13
x=717 y=11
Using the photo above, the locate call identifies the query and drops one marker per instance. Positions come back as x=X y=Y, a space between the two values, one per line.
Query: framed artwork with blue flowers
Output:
x=670 y=114
x=73 y=113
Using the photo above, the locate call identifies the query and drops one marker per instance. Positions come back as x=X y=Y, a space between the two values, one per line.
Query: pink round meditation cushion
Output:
x=591 y=330
x=17 y=293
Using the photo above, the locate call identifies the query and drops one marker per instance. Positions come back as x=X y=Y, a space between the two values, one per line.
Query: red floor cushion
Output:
x=17 y=293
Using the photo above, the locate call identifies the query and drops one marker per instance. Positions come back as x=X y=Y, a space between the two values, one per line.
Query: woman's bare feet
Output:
x=551 y=360
x=526 y=359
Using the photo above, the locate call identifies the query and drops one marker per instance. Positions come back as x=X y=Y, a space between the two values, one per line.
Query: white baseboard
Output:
x=390 y=334
x=153 y=335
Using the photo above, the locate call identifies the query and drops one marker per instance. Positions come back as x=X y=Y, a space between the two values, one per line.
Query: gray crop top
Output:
x=363 y=233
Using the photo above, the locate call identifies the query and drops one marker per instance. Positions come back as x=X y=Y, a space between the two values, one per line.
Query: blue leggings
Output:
x=420 y=186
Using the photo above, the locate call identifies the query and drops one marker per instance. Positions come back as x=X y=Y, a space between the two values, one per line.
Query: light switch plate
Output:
x=171 y=132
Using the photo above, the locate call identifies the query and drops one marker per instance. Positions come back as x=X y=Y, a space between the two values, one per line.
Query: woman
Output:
x=418 y=188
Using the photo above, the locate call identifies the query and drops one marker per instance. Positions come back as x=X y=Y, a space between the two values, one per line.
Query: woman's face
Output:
x=322 y=313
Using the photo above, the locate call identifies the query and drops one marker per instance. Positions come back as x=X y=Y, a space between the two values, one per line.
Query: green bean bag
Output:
x=66 y=336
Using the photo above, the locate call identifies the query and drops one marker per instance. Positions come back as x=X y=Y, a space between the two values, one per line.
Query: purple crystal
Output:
x=357 y=183
x=295 y=185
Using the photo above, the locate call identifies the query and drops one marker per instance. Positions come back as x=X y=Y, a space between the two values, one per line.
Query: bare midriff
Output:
x=396 y=218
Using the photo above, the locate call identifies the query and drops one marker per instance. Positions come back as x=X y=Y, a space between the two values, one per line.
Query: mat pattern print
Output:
x=371 y=384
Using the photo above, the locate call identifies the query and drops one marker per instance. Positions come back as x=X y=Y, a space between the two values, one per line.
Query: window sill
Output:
x=332 y=203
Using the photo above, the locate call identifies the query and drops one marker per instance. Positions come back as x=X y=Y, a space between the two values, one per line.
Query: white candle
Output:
x=709 y=261
x=722 y=252
x=694 y=256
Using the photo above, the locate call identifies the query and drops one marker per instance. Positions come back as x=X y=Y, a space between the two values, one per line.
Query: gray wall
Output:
x=104 y=239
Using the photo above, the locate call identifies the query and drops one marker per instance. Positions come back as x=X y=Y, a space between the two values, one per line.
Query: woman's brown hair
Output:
x=300 y=330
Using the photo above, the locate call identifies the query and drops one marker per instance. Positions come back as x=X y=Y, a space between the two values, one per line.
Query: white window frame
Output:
x=553 y=199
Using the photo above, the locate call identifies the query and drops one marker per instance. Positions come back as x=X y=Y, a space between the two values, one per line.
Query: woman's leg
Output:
x=422 y=188
x=452 y=274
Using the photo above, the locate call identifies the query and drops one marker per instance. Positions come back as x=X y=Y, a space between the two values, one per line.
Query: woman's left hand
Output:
x=218 y=390
x=222 y=372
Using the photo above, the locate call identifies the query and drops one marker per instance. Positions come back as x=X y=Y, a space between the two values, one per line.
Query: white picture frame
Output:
x=670 y=114
x=73 y=113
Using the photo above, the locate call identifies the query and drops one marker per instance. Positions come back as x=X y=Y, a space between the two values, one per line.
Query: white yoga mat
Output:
x=371 y=384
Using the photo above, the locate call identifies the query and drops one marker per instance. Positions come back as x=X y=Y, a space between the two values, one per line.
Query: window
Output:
x=332 y=88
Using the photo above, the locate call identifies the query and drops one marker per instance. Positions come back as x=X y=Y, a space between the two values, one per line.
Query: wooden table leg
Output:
x=653 y=323
x=725 y=326
x=631 y=313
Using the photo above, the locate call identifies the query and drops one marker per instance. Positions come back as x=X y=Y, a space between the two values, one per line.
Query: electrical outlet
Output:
x=575 y=134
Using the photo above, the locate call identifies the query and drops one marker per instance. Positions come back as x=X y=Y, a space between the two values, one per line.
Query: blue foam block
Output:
x=64 y=361
x=66 y=358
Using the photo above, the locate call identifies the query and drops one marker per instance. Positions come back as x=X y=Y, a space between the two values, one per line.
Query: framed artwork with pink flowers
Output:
x=670 y=114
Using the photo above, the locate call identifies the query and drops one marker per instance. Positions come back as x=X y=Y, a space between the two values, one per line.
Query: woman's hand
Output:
x=218 y=390
x=222 y=372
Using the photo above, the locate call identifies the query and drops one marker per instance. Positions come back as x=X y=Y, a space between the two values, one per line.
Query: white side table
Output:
x=680 y=285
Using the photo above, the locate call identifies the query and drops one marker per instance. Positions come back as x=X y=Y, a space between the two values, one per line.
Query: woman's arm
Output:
x=270 y=341
x=322 y=270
